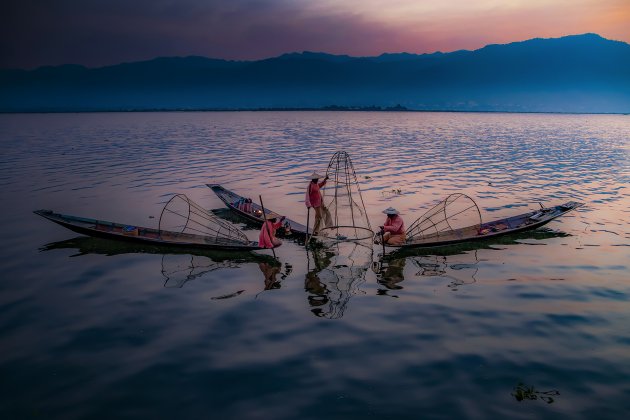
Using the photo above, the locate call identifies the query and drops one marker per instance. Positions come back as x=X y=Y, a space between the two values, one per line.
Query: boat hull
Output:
x=488 y=230
x=119 y=231
x=229 y=198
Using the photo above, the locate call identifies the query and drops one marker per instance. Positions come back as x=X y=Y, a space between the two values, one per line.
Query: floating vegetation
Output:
x=393 y=191
x=524 y=392
x=228 y=296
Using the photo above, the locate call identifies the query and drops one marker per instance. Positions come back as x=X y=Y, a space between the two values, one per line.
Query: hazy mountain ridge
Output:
x=579 y=73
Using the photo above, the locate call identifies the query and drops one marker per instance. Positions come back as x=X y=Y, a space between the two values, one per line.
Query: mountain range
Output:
x=577 y=73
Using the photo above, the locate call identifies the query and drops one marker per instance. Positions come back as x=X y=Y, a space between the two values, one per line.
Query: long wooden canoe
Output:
x=230 y=199
x=513 y=224
x=119 y=231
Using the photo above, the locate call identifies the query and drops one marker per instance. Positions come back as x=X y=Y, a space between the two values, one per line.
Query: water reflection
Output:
x=458 y=264
x=497 y=243
x=456 y=269
x=178 y=265
x=177 y=270
x=271 y=269
x=339 y=270
x=391 y=274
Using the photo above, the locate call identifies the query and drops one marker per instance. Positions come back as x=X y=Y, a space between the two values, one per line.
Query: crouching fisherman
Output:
x=393 y=230
x=267 y=238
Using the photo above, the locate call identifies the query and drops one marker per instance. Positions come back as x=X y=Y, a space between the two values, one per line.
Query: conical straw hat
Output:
x=391 y=210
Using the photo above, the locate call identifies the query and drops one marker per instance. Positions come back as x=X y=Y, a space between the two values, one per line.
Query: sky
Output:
x=103 y=32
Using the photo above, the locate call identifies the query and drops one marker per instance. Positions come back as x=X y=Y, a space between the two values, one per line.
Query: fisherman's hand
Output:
x=326 y=178
x=282 y=218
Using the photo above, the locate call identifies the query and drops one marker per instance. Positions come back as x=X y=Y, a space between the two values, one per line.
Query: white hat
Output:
x=391 y=210
x=315 y=175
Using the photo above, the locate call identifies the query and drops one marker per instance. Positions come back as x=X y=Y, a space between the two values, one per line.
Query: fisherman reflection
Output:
x=392 y=273
x=318 y=292
x=271 y=270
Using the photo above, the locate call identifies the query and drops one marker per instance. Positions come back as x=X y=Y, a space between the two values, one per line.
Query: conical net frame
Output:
x=183 y=216
x=345 y=216
x=452 y=218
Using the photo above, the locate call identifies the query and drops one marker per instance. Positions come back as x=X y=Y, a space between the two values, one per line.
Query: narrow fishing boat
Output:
x=182 y=224
x=252 y=211
x=458 y=219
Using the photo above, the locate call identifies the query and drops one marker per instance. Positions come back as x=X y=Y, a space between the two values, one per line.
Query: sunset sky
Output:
x=103 y=32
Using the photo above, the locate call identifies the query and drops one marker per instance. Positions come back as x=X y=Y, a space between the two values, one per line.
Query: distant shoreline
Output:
x=329 y=108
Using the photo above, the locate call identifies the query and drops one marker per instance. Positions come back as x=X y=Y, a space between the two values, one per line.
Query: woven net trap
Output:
x=345 y=218
x=183 y=217
x=451 y=219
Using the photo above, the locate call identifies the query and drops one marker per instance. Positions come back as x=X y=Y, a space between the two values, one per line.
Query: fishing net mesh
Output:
x=456 y=216
x=345 y=217
x=183 y=216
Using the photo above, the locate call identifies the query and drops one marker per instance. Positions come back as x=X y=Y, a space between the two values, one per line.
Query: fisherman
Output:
x=267 y=238
x=393 y=230
x=247 y=206
x=314 y=199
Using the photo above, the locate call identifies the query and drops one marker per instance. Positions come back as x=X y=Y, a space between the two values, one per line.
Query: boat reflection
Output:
x=492 y=243
x=178 y=265
x=339 y=271
x=458 y=270
x=456 y=263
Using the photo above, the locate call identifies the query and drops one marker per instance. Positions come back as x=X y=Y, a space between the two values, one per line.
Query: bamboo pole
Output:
x=308 y=215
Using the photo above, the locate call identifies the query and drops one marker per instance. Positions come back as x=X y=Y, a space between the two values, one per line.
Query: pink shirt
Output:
x=313 y=196
x=268 y=234
x=395 y=225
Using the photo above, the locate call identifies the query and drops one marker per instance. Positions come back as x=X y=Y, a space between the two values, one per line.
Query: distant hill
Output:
x=578 y=73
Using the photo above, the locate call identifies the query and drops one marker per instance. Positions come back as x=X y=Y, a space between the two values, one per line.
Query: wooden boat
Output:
x=119 y=231
x=522 y=222
x=231 y=200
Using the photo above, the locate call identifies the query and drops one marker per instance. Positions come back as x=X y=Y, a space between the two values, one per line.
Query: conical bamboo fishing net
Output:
x=181 y=216
x=345 y=218
x=451 y=219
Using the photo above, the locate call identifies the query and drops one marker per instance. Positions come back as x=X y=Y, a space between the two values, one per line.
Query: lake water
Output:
x=531 y=326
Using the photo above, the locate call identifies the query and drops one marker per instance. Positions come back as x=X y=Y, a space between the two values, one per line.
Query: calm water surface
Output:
x=93 y=329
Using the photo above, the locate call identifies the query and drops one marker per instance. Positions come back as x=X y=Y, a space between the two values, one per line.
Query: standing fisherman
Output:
x=314 y=199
